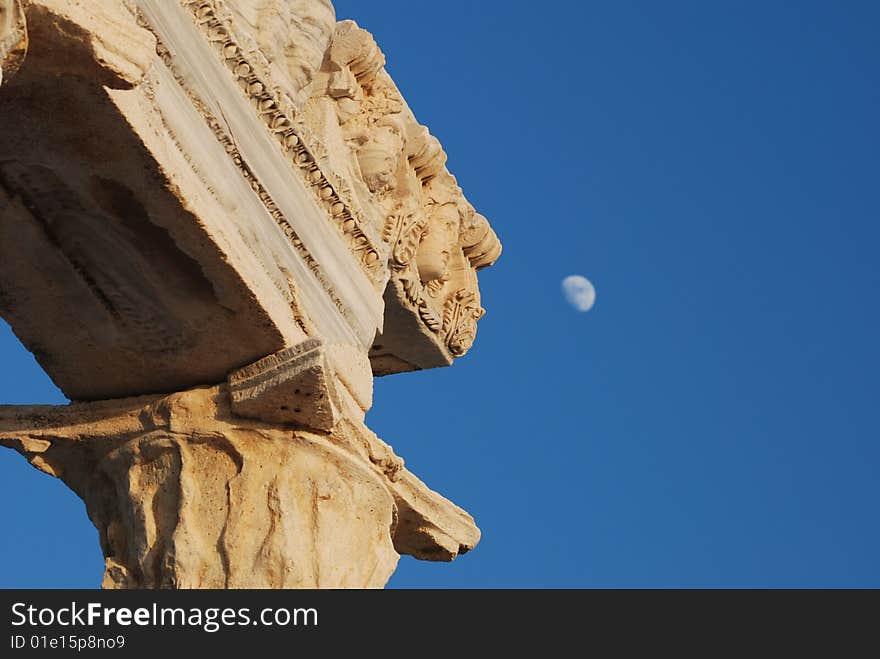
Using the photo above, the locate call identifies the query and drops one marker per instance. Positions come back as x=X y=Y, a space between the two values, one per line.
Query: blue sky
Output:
x=713 y=168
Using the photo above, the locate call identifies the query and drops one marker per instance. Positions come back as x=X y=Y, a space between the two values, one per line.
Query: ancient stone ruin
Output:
x=219 y=220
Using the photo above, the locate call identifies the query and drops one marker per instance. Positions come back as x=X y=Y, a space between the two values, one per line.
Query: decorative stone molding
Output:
x=262 y=226
x=276 y=112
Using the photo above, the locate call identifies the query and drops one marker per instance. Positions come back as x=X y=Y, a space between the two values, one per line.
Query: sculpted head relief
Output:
x=292 y=35
x=262 y=228
x=382 y=159
x=441 y=237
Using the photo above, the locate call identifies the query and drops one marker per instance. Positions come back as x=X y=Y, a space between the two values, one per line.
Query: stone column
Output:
x=218 y=221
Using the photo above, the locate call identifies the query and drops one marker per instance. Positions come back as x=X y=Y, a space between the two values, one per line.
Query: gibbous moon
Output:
x=579 y=292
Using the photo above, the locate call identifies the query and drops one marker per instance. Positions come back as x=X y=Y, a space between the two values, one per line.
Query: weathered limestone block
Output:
x=219 y=219
x=242 y=509
x=296 y=385
x=186 y=495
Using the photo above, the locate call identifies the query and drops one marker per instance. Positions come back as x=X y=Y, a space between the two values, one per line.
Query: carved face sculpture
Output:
x=292 y=34
x=379 y=156
x=432 y=257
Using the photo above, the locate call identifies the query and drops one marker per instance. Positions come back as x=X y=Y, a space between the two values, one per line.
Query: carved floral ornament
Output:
x=253 y=144
x=429 y=221
x=300 y=59
x=294 y=54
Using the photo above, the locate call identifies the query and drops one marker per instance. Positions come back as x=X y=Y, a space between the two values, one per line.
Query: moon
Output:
x=579 y=292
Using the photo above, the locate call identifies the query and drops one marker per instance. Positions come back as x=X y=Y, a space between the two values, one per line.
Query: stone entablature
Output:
x=219 y=219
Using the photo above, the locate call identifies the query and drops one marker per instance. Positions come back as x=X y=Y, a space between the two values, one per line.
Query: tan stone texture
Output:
x=219 y=219
x=186 y=495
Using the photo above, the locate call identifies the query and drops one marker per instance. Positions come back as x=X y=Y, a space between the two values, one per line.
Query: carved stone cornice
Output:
x=429 y=224
x=234 y=223
x=278 y=115
x=397 y=165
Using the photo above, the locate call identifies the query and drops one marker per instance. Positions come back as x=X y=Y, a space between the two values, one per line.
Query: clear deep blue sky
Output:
x=713 y=168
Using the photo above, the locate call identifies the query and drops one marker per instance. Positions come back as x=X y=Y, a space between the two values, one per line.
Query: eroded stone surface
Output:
x=186 y=495
x=231 y=195
x=296 y=385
